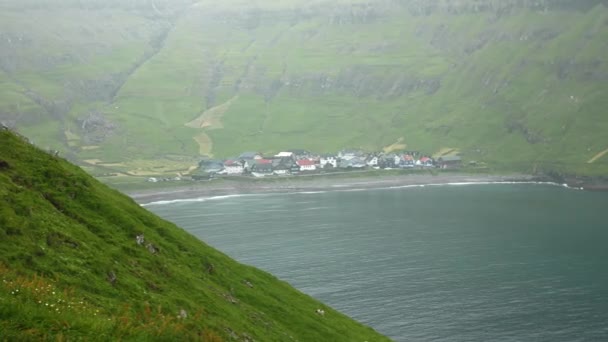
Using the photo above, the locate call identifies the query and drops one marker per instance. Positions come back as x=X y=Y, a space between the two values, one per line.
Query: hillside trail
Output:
x=597 y=156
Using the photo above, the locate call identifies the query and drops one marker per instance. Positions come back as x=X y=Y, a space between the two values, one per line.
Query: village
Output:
x=302 y=162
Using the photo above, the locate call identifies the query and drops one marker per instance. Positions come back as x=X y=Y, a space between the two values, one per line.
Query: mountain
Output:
x=80 y=261
x=146 y=85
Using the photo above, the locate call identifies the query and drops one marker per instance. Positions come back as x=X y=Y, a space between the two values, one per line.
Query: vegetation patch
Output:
x=81 y=261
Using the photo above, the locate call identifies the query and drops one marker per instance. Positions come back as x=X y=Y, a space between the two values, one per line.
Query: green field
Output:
x=72 y=269
x=520 y=85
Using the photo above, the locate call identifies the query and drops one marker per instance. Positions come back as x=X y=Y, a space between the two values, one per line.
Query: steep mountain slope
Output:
x=518 y=84
x=79 y=260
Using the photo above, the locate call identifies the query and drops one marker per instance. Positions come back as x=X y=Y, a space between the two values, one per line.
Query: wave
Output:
x=483 y=183
x=335 y=189
x=198 y=199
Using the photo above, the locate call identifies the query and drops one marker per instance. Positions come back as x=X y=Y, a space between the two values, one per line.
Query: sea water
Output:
x=498 y=262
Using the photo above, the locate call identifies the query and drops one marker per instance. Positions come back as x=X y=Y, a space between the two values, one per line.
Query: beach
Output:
x=313 y=184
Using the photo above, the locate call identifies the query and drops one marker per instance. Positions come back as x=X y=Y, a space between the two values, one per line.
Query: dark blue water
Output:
x=446 y=263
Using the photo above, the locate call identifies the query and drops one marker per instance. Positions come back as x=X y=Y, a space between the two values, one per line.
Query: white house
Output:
x=324 y=160
x=233 y=168
x=373 y=161
x=306 y=165
x=284 y=155
x=397 y=159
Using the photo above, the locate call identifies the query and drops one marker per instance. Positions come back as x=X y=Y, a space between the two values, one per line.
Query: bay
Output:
x=441 y=263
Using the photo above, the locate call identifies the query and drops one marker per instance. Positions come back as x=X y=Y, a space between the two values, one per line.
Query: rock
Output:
x=151 y=248
x=140 y=239
x=112 y=278
x=183 y=314
x=210 y=268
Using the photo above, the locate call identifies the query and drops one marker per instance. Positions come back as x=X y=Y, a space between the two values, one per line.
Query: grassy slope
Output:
x=523 y=90
x=62 y=234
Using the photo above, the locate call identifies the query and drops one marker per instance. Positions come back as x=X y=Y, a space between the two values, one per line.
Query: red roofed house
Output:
x=407 y=161
x=425 y=161
x=306 y=165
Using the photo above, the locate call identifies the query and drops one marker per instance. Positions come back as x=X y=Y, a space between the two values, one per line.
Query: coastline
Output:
x=230 y=187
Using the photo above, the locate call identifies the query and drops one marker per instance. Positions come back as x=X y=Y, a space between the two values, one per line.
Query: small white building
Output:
x=397 y=159
x=373 y=161
x=324 y=160
x=306 y=165
x=284 y=155
x=233 y=168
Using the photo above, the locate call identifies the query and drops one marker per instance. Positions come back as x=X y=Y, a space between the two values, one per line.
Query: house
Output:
x=396 y=160
x=387 y=161
x=306 y=165
x=234 y=167
x=349 y=154
x=354 y=163
x=282 y=166
x=449 y=162
x=372 y=161
x=294 y=169
x=407 y=161
x=299 y=153
x=248 y=164
x=426 y=162
x=282 y=169
x=262 y=169
x=328 y=159
x=211 y=166
x=250 y=155
x=284 y=155
x=358 y=162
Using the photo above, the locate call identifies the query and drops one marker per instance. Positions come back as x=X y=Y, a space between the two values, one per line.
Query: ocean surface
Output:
x=437 y=263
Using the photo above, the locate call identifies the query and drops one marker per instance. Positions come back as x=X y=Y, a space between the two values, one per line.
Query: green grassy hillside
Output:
x=71 y=269
x=520 y=85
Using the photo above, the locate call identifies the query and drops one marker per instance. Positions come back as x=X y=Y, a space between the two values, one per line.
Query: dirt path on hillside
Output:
x=597 y=156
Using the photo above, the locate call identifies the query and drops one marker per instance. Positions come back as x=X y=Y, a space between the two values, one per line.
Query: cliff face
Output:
x=79 y=260
x=517 y=84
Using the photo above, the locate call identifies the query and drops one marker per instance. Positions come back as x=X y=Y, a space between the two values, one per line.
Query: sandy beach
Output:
x=230 y=187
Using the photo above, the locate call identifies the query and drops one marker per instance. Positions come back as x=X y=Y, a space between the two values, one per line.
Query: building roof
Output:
x=284 y=154
x=263 y=168
x=263 y=161
x=450 y=158
x=305 y=162
x=248 y=155
x=298 y=152
x=425 y=159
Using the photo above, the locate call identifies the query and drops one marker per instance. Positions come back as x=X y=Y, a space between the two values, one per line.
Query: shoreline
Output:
x=231 y=187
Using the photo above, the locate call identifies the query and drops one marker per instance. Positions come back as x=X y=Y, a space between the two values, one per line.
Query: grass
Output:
x=328 y=80
x=71 y=268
